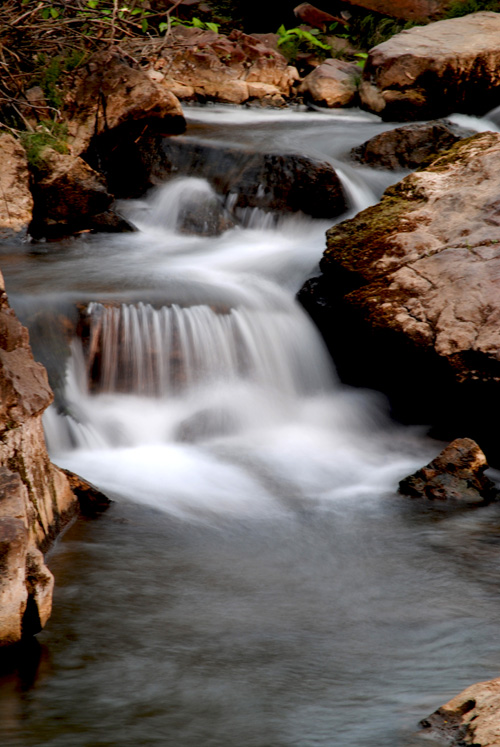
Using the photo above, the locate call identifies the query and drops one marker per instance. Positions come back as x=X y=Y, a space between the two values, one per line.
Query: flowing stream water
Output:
x=258 y=581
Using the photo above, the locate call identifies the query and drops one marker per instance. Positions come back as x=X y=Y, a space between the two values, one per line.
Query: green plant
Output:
x=293 y=41
x=362 y=58
x=48 y=133
x=464 y=7
x=194 y=22
x=366 y=31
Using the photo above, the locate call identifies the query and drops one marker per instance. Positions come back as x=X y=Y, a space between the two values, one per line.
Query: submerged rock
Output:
x=431 y=71
x=282 y=182
x=410 y=146
x=408 y=300
x=470 y=718
x=456 y=474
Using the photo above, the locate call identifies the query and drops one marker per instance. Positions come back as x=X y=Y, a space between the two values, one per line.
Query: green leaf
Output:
x=212 y=26
x=162 y=27
x=54 y=13
x=281 y=30
x=144 y=25
x=93 y=4
x=45 y=13
x=136 y=11
x=199 y=24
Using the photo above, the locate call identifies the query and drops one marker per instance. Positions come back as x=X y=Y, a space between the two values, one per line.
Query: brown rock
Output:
x=410 y=146
x=91 y=499
x=415 y=280
x=13 y=591
x=430 y=71
x=16 y=202
x=312 y=16
x=331 y=84
x=269 y=181
x=470 y=718
x=457 y=474
x=35 y=497
x=112 y=95
x=406 y=10
x=213 y=67
x=69 y=193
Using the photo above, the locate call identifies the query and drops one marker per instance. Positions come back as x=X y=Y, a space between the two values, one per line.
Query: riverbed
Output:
x=258 y=581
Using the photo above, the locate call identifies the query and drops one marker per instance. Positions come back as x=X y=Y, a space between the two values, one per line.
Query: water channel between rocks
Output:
x=257 y=582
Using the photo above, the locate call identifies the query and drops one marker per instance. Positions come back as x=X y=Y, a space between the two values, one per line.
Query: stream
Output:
x=257 y=581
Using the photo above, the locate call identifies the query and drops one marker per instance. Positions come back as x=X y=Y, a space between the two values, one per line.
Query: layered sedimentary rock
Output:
x=431 y=71
x=409 y=299
x=36 y=499
x=205 y=66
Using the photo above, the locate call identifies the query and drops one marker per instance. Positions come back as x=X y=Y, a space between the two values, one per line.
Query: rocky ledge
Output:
x=408 y=298
x=36 y=498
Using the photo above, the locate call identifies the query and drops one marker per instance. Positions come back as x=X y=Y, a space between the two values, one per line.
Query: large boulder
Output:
x=431 y=71
x=334 y=83
x=16 y=203
x=470 y=718
x=277 y=182
x=456 y=474
x=410 y=146
x=409 y=297
x=113 y=98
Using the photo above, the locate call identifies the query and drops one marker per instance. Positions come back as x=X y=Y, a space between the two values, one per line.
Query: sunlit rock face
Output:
x=431 y=71
x=35 y=497
x=16 y=205
x=410 y=289
x=455 y=475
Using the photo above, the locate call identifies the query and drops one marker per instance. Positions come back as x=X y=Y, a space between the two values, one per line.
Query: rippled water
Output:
x=258 y=581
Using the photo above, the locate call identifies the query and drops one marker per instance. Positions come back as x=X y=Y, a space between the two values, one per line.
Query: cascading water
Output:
x=257 y=582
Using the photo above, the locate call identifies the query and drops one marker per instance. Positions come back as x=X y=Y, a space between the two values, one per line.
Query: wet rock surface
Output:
x=411 y=146
x=470 y=718
x=414 y=280
x=36 y=500
x=431 y=71
x=456 y=474
x=270 y=181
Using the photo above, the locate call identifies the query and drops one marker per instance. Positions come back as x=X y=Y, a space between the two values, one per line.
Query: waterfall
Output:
x=157 y=352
